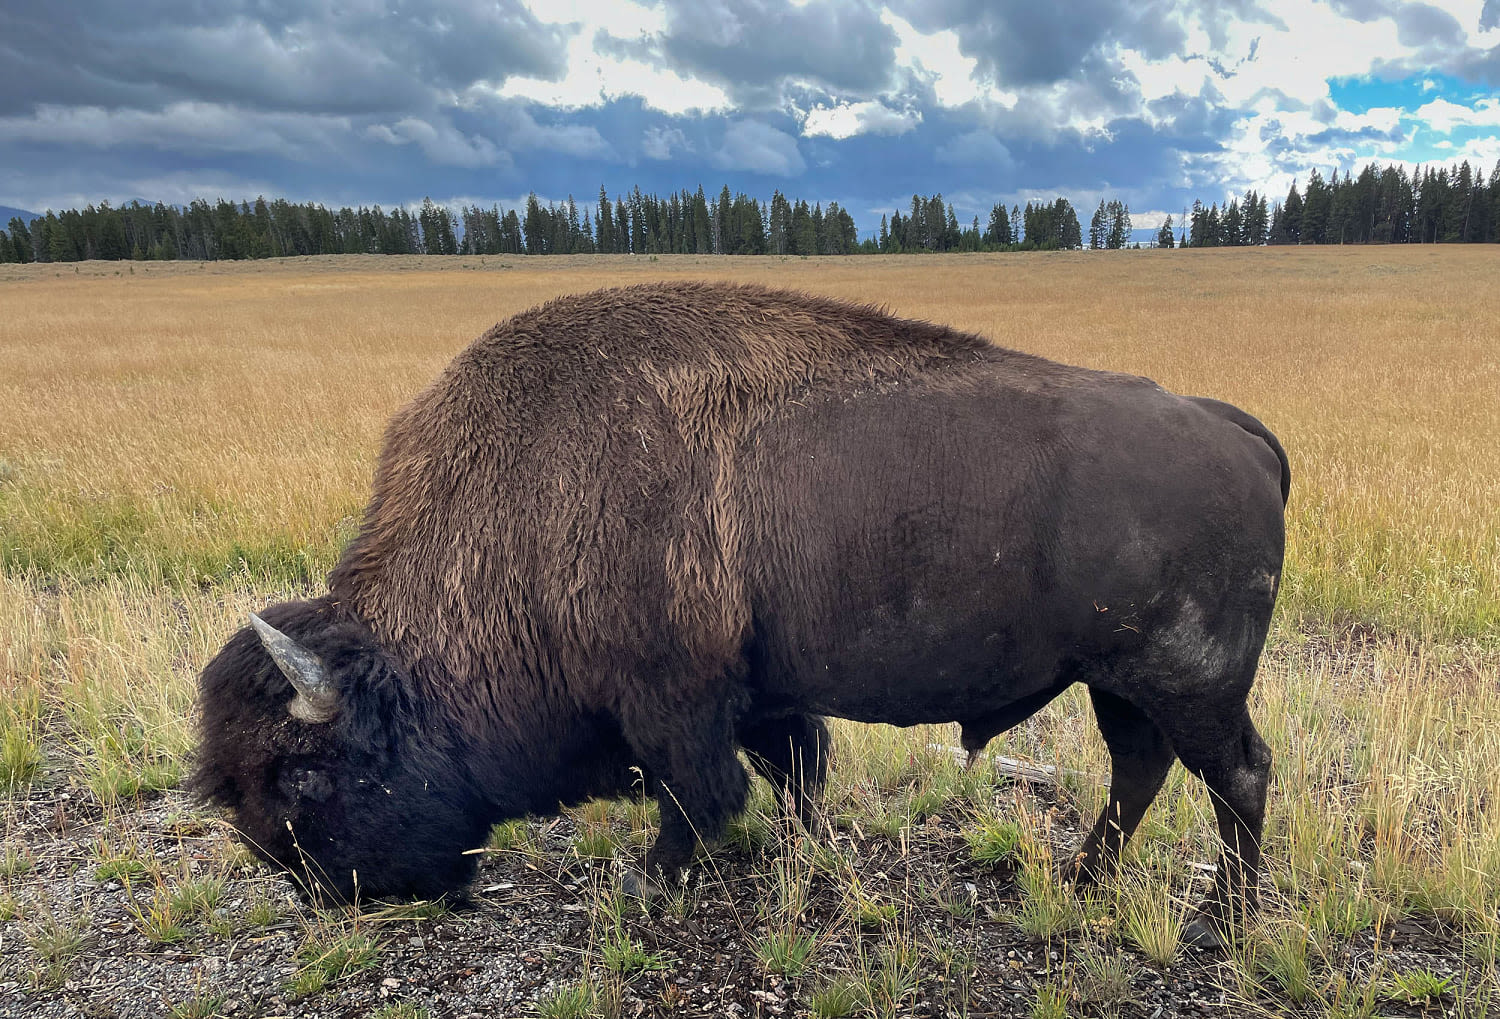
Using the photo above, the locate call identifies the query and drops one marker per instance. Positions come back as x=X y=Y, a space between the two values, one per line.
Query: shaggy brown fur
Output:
x=598 y=441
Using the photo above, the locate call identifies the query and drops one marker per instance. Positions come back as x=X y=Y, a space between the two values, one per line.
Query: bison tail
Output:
x=1229 y=412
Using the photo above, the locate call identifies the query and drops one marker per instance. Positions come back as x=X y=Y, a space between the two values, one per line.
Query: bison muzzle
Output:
x=627 y=534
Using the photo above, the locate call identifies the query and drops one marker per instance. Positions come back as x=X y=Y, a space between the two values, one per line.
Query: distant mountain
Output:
x=7 y=213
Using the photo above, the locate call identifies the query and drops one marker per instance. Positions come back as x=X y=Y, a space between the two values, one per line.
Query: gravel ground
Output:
x=538 y=922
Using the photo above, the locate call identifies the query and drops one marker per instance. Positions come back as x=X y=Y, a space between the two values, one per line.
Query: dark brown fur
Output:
x=643 y=526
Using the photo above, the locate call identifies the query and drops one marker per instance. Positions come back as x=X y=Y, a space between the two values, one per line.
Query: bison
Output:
x=633 y=532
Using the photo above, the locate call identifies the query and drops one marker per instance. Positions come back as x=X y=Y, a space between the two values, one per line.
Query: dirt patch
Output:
x=932 y=933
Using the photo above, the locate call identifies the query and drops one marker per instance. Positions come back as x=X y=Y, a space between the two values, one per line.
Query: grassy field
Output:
x=180 y=443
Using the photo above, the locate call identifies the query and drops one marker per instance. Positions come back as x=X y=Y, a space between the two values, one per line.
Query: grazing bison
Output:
x=645 y=528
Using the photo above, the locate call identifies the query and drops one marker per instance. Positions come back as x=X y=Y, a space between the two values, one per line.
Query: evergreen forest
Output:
x=1378 y=205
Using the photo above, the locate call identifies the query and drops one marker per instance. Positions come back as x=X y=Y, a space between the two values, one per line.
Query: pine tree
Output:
x=703 y=242
x=1117 y=225
x=1233 y=224
x=1291 y=217
x=1098 y=228
x=1069 y=232
x=60 y=247
x=1164 y=235
x=998 y=231
x=1317 y=205
x=20 y=239
x=1494 y=235
x=604 y=223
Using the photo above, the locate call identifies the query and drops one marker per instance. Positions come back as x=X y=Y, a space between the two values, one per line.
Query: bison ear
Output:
x=316 y=700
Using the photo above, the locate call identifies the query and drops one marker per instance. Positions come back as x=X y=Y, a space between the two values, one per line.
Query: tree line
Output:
x=1379 y=205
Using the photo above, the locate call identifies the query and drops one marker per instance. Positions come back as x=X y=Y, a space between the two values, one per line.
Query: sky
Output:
x=347 y=102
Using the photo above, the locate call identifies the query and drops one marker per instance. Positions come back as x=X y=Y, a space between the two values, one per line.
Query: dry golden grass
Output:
x=175 y=422
x=181 y=443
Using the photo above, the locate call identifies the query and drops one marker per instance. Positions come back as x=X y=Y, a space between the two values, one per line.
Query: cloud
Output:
x=937 y=62
x=754 y=49
x=502 y=129
x=1040 y=43
x=180 y=127
x=759 y=148
x=661 y=142
x=845 y=120
x=362 y=100
x=441 y=142
x=1422 y=25
x=178 y=187
x=602 y=67
x=977 y=148
x=321 y=56
x=1444 y=117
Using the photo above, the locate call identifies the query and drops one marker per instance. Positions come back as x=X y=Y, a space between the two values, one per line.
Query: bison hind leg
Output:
x=791 y=753
x=1140 y=757
x=1235 y=763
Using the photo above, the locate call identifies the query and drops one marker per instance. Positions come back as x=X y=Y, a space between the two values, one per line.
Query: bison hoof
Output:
x=1083 y=872
x=1204 y=932
x=637 y=884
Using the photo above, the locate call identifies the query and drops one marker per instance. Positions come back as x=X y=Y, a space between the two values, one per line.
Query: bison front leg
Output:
x=700 y=785
x=791 y=753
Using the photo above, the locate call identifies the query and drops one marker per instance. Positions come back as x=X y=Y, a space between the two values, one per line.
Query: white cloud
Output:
x=661 y=142
x=442 y=143
x=186 y=126
x=593 y=78
x=759 y=148
x=1443 y=116
x=937 y=60
x=845 y=120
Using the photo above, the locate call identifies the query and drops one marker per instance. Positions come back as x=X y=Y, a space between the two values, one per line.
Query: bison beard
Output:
x=626 y=534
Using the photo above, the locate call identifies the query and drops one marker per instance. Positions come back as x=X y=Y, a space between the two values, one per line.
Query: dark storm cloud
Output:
x=1478 y=65
x=748 y=47
x=1039 y=43
x=1419 y=25
x=349 y=101
x=317 y=57
x=1192 y=123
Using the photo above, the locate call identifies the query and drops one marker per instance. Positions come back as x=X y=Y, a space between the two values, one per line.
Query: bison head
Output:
x=312 y=741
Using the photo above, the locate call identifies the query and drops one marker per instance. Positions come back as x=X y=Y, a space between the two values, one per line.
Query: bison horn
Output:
x=316 y=699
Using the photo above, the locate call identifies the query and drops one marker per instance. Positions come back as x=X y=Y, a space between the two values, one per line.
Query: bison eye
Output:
x=305 y=784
